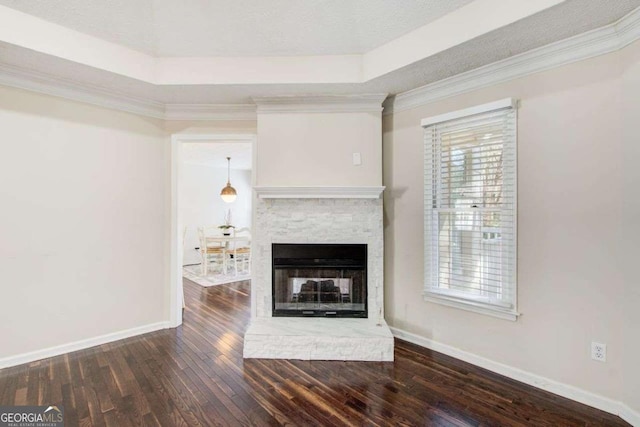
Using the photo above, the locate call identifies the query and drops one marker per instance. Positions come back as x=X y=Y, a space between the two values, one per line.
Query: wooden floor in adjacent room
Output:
x=195 y=375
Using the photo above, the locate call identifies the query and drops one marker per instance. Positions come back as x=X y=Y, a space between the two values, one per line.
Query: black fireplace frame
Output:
x=313 y=255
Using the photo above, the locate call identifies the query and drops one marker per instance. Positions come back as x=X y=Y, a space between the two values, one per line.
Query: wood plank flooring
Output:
x=195 y=376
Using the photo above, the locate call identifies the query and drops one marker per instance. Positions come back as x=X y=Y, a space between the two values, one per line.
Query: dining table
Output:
x=225 y=240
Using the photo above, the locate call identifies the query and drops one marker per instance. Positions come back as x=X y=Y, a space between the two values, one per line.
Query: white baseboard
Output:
x=629 y=415
x=32 y=356
x=570 y=392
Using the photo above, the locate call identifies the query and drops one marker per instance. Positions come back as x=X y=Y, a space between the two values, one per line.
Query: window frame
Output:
x=451 y=298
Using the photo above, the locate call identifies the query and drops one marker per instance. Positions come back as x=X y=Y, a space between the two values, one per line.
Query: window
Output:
x=470 y=209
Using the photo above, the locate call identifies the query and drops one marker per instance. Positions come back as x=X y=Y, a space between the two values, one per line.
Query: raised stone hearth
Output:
x=351 y=219
x=318 y=339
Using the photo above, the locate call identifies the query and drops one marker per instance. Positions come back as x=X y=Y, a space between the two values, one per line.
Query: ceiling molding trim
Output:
x=628 y=28
x=318 y=192
x=583 y=46
x=593 y=43
x=42 y=83
x=320 y=103
x=39 y=82
x=452 y=29
x=210 y=112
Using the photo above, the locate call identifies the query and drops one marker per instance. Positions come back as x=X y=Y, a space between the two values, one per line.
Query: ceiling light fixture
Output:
x=228 y=193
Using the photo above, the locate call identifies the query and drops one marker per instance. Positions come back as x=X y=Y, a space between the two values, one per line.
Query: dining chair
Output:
x=240 y=250
x=211 y=251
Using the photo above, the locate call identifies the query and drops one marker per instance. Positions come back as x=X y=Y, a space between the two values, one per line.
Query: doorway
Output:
x=197 y=158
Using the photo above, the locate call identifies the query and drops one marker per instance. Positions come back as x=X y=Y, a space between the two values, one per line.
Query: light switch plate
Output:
x=357 y=159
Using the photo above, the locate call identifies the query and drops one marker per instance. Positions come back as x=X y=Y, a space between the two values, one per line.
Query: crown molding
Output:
x=283 y=192
x=42 y=83
x=628 y=27
x=210 y=112
x=593 y=43
x=583 y=46
x=36 y=81
x=36 y=34
x=321 y=103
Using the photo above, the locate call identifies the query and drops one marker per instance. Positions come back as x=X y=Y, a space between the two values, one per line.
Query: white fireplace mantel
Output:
x=284 y=192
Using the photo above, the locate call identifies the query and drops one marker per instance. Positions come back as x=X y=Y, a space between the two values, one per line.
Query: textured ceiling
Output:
x=569 y=18
x=241 y=27
x=127 y=22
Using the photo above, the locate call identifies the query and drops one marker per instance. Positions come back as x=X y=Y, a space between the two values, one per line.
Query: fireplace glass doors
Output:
x=328 y=280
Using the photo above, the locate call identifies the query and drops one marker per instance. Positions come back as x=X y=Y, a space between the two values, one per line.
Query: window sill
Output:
x=472 y=306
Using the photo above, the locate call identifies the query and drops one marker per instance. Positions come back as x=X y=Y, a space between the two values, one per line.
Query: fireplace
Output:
x=299 y=270
x=319 y=280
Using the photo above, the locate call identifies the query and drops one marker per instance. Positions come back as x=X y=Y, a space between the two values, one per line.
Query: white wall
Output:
x=83 y=221
x=315 y=149
x=201 y=205
x=630 y=251
x=210 y=127
x=84 y=218
x=578 y=186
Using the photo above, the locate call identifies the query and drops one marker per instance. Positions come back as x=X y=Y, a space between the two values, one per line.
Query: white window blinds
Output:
x=470 y=209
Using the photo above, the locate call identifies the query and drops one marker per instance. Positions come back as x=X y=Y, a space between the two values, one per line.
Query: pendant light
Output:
x=228 y=193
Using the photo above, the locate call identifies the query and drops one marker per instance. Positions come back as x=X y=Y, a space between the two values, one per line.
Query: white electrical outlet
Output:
x=599 y=351
x=357 y=159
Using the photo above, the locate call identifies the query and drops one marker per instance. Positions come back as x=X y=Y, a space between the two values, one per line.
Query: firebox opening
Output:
x=319 y=280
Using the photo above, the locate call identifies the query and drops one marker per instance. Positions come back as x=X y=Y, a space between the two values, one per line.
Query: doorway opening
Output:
x=210 y=238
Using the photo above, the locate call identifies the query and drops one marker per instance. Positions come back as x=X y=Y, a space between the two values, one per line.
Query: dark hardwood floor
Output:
x=195 y=375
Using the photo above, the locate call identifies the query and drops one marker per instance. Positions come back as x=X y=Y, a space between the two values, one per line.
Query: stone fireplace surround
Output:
x=317 y=215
